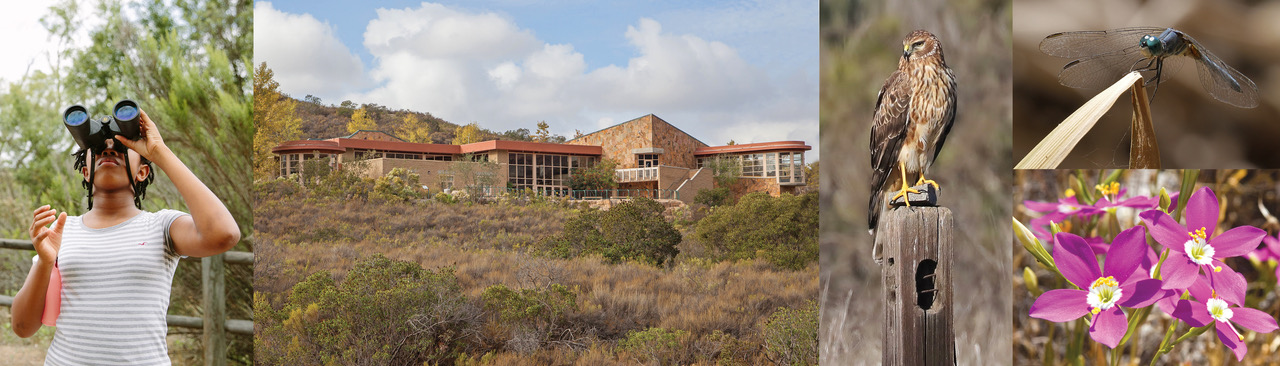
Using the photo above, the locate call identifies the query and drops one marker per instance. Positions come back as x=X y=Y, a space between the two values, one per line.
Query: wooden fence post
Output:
x=215 y=310
x=916 y=273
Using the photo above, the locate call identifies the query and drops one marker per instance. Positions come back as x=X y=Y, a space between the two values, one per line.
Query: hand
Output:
x=150 y=144
x=47 y=240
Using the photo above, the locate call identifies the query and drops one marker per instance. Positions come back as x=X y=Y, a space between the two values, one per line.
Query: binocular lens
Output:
x=76 y=117
x=126 y=113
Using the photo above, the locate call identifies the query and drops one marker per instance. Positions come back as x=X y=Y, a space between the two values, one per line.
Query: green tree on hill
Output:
x=274 y=118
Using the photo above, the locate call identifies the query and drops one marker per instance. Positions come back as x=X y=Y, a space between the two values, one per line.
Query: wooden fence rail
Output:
x=214 y=322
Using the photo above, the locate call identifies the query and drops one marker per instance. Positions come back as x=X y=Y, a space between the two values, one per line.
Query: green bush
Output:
x=791 y=335
x=598 y=177
x=655 y=346
x=397 y=186
x=782 y=230
x=713 y=197
x=383 y=312
x=633 y=230
x=529 y=317
x=445 y=198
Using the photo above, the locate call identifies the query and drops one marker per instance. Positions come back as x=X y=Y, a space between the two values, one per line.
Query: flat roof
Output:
x=753 y=148
x=541 y=147
x=308 y=146
x=397 y=146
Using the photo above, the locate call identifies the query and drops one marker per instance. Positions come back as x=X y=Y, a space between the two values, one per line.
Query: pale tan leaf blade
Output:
x=1054 y=148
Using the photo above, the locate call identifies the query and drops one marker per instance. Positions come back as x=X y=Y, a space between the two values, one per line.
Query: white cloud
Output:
x=304 y=53
x=28 y=47
x=435 y=31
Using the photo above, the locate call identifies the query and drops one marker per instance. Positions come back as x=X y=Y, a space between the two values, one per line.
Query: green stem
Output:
x=1167 y=335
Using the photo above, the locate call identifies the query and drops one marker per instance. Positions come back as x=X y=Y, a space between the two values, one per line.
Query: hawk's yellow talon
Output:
x=929 y=181
x=905 y=188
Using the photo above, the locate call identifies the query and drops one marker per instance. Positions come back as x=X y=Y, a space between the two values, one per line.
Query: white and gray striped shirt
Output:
x=115 y=292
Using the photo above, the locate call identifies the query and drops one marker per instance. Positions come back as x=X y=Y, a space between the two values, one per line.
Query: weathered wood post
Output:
x=215 y=310
x=916 y=273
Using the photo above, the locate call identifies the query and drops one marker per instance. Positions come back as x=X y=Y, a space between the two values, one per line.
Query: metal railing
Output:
x=576 y=194
x=636 y=174
x=214 y=322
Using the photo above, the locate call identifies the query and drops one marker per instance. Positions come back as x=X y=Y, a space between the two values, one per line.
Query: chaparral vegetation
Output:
x=526 y=279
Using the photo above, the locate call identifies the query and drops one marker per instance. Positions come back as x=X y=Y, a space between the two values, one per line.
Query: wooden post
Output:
x=916 y=273
x=215 y=310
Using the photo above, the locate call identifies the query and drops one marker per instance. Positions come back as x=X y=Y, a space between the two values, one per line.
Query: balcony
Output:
x=649 y=174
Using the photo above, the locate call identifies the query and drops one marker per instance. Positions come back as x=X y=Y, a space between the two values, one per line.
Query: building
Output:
x=653 y=157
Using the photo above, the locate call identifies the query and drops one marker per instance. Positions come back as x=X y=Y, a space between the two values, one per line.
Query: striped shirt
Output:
x=115 y=292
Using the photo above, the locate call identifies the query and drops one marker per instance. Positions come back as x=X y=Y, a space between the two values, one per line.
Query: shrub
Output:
x=713 y=197
x=530 y=316
x=397 y=186
x=784 y=229
x=656 y=346
x=632 y=230
x=383 y=312
x=791 y=335
x=445 y=198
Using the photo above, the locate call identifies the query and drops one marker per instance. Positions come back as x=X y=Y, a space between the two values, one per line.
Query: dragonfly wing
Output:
x=1224 y=82
x=1089 y=43
x=1099 y=71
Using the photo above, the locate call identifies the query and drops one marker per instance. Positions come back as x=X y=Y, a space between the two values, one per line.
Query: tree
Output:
x=360 y=121
x=312 y=99
x=544 y=132
x=577 y=133
x=783 y=230
x=731 y=143
x=811 y=174
x=634 y=230
x=597 y=177
x=414 y=130
x=725 y=169
x=467 y=134
x=519 y=134
x=274 y=117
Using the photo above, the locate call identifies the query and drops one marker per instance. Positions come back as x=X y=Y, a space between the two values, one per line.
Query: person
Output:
x=117 y=261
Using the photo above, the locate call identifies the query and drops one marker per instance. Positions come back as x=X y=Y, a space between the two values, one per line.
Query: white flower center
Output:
x=1103 y=294
x=1198 y=248
x=1218 y=310
x=1066 y=209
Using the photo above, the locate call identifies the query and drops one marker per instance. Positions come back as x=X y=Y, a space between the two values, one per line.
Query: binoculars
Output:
x=92 y=134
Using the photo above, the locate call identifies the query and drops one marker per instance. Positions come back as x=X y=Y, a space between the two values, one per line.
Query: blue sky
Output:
x=721 y=70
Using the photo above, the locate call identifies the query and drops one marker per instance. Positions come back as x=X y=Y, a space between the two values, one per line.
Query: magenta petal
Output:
x=1108 y=327
x=1229 y=339
x=1236 y=242
x=1202 y=211
x=1127 y=251
x=1229 y=284
x=1060 y=305
x=1254 y=319
x=1075 y=260
x=1169 y=304
x=1193 y=313
x=1200 y=289
x=1164 y=230
x=1038 y=206
x=1178 y=271
x=1142 y=293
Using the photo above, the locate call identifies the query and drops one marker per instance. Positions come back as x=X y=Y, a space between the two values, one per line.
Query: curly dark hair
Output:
x=139 y=187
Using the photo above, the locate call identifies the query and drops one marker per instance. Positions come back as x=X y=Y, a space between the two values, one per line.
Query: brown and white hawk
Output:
x=914 y=112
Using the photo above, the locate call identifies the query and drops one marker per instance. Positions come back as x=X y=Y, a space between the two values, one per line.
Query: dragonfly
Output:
x=1102 y=57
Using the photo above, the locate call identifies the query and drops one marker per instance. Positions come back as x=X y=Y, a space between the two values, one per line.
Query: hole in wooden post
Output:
x=925 y=289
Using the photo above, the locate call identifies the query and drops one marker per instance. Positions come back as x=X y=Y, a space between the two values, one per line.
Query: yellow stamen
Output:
x=1069 y=193
x=1095 y=311
x=1108 y=190
x=1217 y=269
x=1105 y=281
x=1065 y=226
x=1199 y=234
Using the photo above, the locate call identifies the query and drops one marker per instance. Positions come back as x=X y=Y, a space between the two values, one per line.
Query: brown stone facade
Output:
x=621 y=141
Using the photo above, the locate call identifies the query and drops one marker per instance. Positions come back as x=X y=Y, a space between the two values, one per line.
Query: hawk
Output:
x=914 y=112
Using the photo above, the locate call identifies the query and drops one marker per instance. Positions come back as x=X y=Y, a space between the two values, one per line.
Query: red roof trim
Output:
x=398 y=146
x=753 y=148
x=300 y=146
x=539 y=147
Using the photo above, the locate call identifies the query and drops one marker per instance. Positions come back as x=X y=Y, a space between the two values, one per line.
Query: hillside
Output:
x=324 y=121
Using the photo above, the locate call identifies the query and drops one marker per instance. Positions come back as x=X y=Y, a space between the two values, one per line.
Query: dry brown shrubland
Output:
x=723 y=306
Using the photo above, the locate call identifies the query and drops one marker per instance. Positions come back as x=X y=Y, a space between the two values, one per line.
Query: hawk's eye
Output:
x=917 y=44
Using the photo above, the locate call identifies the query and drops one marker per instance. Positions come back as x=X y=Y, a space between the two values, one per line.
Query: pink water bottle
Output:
x=52 y=299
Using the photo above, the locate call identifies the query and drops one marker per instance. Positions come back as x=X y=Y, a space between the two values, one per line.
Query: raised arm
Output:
x=210 y=230
x=28 y=305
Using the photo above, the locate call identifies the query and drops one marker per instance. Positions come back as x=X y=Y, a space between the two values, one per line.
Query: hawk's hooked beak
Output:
x=906 y=50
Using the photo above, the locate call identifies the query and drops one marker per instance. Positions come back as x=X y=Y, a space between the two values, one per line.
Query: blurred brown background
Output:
x=861 y=44
x=1193 y=129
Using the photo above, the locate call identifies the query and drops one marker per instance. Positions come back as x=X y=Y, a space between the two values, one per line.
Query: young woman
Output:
x=117 y=261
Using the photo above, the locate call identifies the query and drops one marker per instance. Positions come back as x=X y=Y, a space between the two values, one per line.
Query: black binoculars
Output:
x=92 y=134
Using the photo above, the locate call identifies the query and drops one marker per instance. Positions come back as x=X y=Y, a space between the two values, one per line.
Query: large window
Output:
x=544 y=173
x=791 y=167
x=293 y=163
x=753 y=165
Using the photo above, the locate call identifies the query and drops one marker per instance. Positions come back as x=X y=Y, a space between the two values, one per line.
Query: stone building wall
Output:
x=618 y=141
x=747 y=185
x=677 y=145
